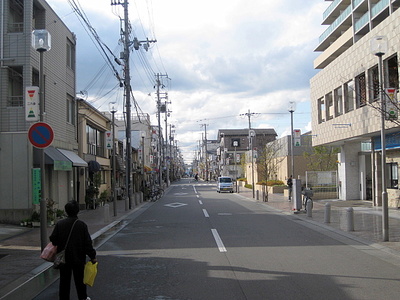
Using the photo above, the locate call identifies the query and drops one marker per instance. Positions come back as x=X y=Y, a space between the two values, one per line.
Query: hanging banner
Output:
x=32 y=103
x=297 y=137
x=392 y=112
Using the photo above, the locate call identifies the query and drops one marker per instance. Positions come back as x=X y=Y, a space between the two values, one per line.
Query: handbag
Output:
x=60 y=256
x=90 y=273
x=49 y=252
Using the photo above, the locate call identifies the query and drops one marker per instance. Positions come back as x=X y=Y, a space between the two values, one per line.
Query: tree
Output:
x=322 y=158
x=268 y=162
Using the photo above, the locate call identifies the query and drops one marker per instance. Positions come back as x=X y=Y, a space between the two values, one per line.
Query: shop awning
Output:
x=94 y=166
x=74 y=158
x=52 y=155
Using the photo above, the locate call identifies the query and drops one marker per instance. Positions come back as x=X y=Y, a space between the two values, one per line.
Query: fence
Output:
x=323 y=183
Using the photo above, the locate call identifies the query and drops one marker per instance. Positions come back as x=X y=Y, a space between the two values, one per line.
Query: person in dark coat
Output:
x=79 y=245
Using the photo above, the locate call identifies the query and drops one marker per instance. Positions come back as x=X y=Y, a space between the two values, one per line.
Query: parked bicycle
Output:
x=154 y=193
x=307 y=194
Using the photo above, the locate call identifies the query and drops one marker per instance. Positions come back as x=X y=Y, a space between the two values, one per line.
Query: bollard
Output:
x=350 y=218
x=309 y=208
x=327 y=217
x=263 y=197
x=106 y=213
x=258 y=195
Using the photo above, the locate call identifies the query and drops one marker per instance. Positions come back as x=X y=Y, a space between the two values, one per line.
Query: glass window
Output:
x=70 y=110
x=70 y=55
x=338 y=95
x=393 y=179
x=393 y=72
x=349 y=96
x=361 y=90
x=373 y=80
x=329 y=106
x=321 y=110
x=16 y=16
x=15 y=87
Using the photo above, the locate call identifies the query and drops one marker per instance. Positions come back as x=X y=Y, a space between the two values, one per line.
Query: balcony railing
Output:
x=357 y=2
x=15 y=101
x=361 y=22
x=379 y=7
x=330 y=8
x=335 y=24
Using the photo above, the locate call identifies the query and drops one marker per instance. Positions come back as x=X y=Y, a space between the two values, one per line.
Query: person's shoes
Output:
x=88 y=298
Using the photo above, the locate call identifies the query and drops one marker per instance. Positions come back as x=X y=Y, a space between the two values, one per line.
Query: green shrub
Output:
x=249 y=186
x=242 y=179
x=271 y=182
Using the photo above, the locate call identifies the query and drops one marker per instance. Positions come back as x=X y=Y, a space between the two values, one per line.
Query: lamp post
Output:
x=379 y=47
x=113 y=109
x=252 y=134
x=291 y=109
x=235 y=144
x=41 y=42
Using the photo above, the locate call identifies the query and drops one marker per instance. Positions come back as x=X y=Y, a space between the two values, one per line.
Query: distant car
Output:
x=224 y=184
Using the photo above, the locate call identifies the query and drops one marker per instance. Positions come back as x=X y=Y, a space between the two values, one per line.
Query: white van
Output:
x=224 y=184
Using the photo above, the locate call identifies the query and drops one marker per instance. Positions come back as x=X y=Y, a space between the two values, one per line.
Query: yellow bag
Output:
x=90 y=273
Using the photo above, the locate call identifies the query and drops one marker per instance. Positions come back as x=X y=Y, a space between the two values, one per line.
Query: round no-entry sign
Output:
x=41 y=135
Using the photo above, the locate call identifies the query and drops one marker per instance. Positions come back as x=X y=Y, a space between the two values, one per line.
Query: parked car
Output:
x=224 y=184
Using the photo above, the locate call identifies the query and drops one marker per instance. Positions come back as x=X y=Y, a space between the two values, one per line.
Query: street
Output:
x=195 y=243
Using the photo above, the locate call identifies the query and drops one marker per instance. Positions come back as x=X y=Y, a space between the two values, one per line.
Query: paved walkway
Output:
x=20 y=246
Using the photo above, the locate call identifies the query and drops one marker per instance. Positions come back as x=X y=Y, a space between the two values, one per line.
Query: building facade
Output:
x=19 y=70
x=233 y=144
x=345 y=94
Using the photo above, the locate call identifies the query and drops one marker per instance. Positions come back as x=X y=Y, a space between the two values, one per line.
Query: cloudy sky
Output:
x=223 y=58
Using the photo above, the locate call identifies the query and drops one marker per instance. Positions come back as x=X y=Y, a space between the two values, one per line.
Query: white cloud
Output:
x=223 y=57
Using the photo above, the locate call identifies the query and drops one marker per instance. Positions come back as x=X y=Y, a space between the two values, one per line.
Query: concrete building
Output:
x=236 y=142
x=346 y=88
x=19 y=70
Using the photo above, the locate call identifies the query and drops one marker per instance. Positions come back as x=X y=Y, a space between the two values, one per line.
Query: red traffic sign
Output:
x=41 y=135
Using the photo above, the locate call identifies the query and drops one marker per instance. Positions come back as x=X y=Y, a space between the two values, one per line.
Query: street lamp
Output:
x=252 y=134
x=41 y=42
x=291 y=109
x=379 y=46
x=113 y=109
x=235 y=144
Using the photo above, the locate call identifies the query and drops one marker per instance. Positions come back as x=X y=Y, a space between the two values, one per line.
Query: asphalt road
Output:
x=195 y=243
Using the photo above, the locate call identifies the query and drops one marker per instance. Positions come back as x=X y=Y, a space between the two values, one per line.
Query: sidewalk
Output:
x=367 y=218
x=20 y=246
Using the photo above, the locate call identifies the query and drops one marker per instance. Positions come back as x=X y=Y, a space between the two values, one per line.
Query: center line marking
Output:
x=206 y=213
x=218 y=240
x=201 y=202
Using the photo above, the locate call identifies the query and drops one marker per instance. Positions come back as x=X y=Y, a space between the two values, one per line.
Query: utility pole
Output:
x=127 y=88
x=161 y=160
x=251 y=135
x=205 y=148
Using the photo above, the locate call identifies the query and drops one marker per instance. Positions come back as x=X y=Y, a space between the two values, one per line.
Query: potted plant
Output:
x=35 y=219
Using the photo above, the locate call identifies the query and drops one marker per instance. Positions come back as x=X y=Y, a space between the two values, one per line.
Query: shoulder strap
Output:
x=70 y=234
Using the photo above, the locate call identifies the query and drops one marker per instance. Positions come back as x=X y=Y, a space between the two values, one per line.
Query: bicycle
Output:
x=154 y=193
x=307 y=194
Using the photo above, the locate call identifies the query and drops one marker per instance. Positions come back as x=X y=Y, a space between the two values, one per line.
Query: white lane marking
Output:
x=175 y=205
x=201 y=202
x=218 y=240
x=197 y=196
x=195 y=191
x=206 y=213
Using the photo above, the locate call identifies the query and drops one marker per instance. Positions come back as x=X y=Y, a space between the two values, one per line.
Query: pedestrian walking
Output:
x=290 y=186
x=79 y=245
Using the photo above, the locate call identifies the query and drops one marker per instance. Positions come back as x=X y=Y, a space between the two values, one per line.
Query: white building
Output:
x=346 y=87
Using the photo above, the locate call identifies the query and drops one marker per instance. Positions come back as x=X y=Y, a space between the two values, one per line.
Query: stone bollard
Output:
x=309 y=209
x=263 y=197
x=350 y=218
x=106 y=213
x=258 y=195
x=327 y=216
